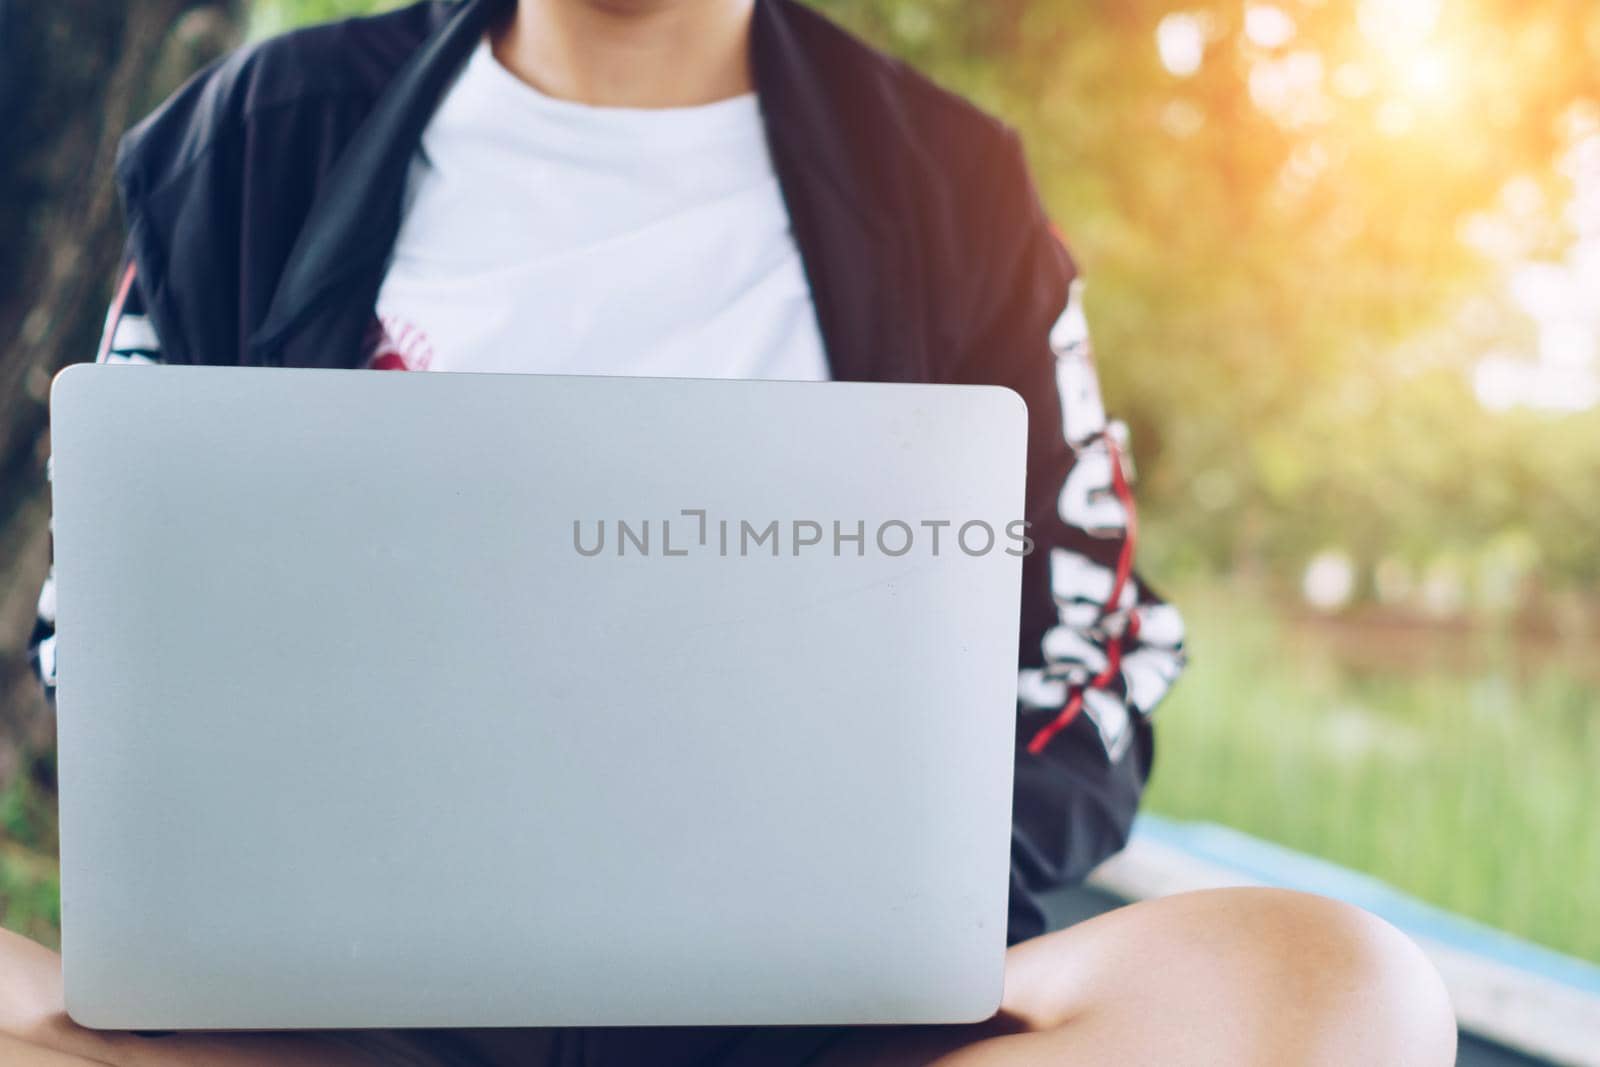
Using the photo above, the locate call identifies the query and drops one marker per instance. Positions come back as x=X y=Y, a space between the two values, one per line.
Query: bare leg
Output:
x=35 y=1030
x=1235 y=977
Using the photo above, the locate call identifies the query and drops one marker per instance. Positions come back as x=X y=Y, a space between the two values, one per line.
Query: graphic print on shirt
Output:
x=1114 y=652
x=392 y=343
x=551 y=237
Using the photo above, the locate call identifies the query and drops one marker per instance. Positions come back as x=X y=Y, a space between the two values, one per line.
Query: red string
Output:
x=124 y=287
x=1124 y=571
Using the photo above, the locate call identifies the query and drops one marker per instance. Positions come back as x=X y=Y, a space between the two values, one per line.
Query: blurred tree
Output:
x=1271 y=199
x=74 y=74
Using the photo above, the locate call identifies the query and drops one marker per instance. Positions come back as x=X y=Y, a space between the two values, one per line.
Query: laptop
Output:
x=448 y=700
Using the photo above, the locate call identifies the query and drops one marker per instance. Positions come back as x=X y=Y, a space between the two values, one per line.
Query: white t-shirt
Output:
x=551 y=237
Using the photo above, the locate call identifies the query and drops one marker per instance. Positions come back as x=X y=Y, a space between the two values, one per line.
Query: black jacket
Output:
x=263 y=200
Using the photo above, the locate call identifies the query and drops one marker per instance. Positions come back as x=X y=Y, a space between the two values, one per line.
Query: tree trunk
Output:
x=74 y=74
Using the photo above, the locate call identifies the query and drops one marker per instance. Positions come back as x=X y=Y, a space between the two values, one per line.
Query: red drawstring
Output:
x=114 y=316
x=1119 y=485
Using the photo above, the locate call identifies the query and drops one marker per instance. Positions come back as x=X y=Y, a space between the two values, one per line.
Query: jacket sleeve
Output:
x=128 y=337
x=1099 y=648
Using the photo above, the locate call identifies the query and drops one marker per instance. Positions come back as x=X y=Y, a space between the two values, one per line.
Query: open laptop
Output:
x=514 y=700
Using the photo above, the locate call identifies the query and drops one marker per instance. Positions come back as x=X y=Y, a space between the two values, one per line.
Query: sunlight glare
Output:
x=1428 y=75
x=1398 y=25
x=1421 y=67
x=1268 y=26
x=1181 y=42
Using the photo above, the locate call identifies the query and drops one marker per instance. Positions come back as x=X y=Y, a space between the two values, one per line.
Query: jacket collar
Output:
x=825 y=129
x=352 y=225
x=831 y=128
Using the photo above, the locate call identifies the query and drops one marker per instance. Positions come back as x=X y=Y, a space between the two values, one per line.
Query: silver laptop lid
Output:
x=372 y=715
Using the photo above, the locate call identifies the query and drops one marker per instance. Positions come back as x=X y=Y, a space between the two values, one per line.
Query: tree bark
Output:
x=74 y=74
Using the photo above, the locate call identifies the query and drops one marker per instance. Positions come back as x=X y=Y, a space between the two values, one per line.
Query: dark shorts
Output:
x=655 y=1046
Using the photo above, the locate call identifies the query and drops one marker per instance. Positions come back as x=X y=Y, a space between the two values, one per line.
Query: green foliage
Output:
x=268 y=17
x=1278 y=278
x=30 y=895
x=30 y=889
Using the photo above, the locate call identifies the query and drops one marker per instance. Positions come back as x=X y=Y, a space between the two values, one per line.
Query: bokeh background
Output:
x=1344 y=283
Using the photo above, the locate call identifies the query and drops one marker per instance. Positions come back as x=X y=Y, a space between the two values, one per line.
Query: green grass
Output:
x=1453 y=768
x=30 y=888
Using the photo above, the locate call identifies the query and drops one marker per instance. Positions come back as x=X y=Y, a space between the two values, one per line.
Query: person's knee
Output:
x=30 y=988
x=1330 y=983
x=1238 y=976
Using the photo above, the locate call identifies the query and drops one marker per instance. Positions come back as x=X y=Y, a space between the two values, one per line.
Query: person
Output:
x=729 y=188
